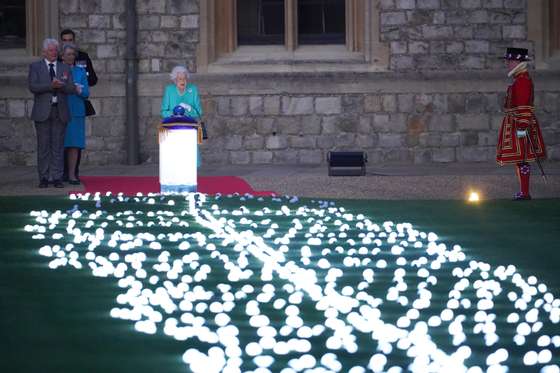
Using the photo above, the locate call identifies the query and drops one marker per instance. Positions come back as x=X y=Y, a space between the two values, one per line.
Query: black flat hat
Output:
x=516 y=54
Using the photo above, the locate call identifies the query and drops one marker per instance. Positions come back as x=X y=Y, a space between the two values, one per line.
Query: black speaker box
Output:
x=347 y=163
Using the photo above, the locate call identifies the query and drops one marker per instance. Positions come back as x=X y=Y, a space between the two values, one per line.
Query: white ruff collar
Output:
x=522 y=66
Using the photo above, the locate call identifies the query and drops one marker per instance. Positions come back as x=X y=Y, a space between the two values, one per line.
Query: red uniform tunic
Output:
x=519 y=116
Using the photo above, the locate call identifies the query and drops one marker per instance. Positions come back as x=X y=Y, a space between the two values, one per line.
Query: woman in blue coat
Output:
x=181 y=93
x=75 y=137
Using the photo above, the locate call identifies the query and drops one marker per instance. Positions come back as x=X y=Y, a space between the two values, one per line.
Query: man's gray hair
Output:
x=179 y=70
x=49 y=41
x=68 y=46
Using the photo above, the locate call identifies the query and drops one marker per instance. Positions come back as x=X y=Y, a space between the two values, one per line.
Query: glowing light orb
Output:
x=325 y=274
x=473 y=197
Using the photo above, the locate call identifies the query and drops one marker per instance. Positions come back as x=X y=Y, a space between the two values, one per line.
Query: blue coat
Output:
x=75 y=130
x=76 y=102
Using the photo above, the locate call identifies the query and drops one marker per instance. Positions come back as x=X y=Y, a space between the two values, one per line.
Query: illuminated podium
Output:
x=178 y=153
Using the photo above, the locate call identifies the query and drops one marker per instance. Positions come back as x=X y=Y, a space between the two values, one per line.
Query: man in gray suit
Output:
x=50 y=81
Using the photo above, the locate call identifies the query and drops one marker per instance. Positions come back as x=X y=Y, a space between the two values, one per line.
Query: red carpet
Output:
x=130 y=185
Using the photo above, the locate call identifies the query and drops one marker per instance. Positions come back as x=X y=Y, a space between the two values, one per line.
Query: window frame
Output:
x=41 y=21
x=20 y=6
x=273 y=39
x=322 y=38
x=218 y=38
x=543 y=26
x=554 y=29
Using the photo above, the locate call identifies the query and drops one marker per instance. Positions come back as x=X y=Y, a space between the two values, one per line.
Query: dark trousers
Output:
x=50 y=146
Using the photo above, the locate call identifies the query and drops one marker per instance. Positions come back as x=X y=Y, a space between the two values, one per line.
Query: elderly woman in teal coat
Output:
x=75 y=137
x=181 y=93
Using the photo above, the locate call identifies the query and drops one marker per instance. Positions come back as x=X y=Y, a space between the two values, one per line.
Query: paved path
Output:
x=387 y=181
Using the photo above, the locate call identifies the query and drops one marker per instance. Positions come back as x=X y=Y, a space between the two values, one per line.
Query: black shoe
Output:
x=74 y=182
x=58 y=184
x=522 y=197
x=44 y=183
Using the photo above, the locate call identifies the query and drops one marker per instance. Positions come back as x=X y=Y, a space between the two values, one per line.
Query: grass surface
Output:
x=58 y=321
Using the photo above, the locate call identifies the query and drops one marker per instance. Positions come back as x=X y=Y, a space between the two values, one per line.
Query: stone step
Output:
x=16 y=65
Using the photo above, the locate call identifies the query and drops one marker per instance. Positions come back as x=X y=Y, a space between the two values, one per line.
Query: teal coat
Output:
x=172 y=98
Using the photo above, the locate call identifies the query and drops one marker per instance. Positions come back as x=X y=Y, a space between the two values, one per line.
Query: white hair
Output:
x=179 y=70
x=68 y=46
x=49 y=41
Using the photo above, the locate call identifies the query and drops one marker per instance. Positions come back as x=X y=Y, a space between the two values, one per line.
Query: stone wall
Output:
x=167 y=32
x=298 y=119
x=452 y=34
x=441 y=118
x=408 y=114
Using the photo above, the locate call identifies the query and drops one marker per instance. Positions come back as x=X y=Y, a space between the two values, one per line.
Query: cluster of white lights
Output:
x=291 y=287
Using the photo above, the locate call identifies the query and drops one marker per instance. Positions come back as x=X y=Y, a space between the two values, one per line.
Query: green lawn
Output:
x=59 y=321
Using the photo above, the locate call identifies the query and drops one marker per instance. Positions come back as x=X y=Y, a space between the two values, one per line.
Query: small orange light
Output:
x=473 y=197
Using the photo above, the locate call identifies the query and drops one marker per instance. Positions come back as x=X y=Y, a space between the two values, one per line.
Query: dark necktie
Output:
x=52 y=74
x=51 y=70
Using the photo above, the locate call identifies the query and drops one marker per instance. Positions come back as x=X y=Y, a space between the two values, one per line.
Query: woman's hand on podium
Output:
x=187 y=107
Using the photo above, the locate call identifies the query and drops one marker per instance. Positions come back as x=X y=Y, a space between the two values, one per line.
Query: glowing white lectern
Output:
x=178 y=157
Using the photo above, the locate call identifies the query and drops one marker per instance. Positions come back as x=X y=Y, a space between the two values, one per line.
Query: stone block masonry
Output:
x=438 y=100
x=463 y=34
x=447 y=118
x=167 y=32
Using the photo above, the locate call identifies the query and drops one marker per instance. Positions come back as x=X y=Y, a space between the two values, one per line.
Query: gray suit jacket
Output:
x=39 y=81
